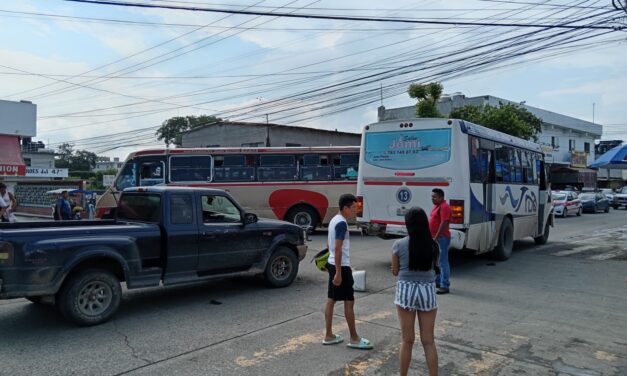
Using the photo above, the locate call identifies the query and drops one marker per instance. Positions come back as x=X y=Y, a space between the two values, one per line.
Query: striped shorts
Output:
x=416 y=296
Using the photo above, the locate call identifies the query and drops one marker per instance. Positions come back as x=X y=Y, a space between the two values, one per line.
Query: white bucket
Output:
x=359 y=278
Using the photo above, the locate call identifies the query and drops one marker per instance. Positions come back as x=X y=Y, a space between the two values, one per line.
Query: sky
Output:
x=105 y=77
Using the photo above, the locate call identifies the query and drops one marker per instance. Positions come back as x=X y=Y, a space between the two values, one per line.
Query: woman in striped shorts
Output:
x=414 y=260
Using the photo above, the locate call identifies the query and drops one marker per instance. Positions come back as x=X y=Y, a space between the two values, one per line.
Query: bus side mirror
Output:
x=250 y=218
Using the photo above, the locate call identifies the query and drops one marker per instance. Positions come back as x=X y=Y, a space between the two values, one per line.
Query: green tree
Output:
x=427 y=96
x=171 y=131
x=64 y=155
x=74 y=160
x=507 y=118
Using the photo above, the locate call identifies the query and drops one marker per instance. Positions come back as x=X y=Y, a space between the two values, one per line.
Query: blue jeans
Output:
x=445 y=269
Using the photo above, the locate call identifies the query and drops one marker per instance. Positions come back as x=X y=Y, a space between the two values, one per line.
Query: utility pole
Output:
x=593 y=112
x=267 y=132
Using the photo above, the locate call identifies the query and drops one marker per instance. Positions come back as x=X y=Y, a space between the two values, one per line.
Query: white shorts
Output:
x=416 y=296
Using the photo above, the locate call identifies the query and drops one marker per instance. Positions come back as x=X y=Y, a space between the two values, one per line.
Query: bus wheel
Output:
x=505 y=245
x=545 y=236
x=303 y=216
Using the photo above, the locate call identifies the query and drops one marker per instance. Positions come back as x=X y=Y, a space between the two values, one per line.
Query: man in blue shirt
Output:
x=62 y=208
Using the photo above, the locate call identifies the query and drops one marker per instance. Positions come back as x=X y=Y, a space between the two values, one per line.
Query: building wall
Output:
x=238 y=135
x=563 y=127
x=39 y=160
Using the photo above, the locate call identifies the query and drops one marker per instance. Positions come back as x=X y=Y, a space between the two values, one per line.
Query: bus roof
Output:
x=491 y=134
x=245 y=150
x=471 y=129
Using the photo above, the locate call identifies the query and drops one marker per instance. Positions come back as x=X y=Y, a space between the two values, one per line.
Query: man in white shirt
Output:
x=341 y=276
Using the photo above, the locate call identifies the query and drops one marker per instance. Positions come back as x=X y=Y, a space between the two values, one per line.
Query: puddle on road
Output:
x=607 y=244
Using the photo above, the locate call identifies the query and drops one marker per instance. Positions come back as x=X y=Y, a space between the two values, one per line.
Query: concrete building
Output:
x=568 y=142
x=243 y=134
x=105 y=163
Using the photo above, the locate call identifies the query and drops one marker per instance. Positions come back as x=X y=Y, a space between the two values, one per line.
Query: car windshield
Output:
x=558 y=196
x=606 y=191
x=586 y=196
x=623 y=190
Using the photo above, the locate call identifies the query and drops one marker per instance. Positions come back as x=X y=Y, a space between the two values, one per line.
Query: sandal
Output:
x=363 y=344
x=338 y=339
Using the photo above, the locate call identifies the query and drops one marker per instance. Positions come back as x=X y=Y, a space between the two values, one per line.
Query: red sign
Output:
x=15 y=170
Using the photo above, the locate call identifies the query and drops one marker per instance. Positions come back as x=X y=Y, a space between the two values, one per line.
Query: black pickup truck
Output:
x=163 y=235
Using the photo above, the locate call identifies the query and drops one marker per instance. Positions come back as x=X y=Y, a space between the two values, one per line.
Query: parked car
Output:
x=609 y=193
x=620 y=198
x=162 y=235
x=594 y=202
x=566 y=202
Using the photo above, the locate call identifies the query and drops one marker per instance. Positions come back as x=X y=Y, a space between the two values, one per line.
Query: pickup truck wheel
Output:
x=90 y=297
x=282 y=268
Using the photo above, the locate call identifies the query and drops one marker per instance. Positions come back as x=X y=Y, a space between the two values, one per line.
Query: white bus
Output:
x=297 y=184
x=495 y=184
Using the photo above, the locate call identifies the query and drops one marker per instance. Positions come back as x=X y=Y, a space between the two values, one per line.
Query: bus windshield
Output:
x=408 y=150
x=126 y=178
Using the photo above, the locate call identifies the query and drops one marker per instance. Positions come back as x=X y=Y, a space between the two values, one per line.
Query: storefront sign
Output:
x=7 y=169
x=33 y=172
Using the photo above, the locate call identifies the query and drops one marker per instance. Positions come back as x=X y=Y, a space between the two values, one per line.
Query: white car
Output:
x=620 y=198
x=566 y=202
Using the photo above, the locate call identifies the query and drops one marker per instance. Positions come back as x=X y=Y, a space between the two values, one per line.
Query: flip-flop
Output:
x=363 y=344
x=338 y=339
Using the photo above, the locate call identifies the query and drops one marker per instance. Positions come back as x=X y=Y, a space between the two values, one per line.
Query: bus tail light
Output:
x=457 y=211
x=360 y=206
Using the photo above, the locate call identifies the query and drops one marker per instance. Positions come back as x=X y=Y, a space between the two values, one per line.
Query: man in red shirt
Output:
x=438 y=224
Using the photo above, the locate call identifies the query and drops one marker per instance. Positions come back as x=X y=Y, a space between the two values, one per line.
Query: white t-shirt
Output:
x=4 y=204
x=338 y=229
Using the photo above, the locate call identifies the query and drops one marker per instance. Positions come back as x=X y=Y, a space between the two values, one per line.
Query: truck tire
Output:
x=90 y=297
x=544 y=237
x=303 y=216
x=282 y=268
x=503 y=249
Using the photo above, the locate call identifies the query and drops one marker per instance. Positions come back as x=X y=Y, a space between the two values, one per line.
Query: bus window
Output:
x=151 y=173
x=126 y=178
x=346 y=167
x=516 y=171
x=232 y=168
x=277 y=168
x=502 y=163
x=311 y=168
x=190 y=168
x=476 y=175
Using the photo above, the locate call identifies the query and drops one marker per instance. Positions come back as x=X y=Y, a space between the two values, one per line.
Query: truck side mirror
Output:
x=250 y=218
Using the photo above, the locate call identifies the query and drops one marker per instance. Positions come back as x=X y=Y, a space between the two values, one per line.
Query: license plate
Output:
x=401 y=212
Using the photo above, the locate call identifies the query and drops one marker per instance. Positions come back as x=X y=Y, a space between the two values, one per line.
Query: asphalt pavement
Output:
x=557 y=309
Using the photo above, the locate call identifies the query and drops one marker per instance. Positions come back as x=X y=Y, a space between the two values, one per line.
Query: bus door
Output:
x=545 y=195
x=489 y=197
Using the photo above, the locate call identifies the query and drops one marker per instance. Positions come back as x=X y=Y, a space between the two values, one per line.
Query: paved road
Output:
x=559 y=309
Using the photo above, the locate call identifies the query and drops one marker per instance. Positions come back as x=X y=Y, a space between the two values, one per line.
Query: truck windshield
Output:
x=140 y=207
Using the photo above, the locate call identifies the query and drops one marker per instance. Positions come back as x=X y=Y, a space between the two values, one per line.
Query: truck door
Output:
x=224 y=243
x=181 y=239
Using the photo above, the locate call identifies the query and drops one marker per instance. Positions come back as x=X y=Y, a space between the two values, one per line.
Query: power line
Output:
x=343 y=18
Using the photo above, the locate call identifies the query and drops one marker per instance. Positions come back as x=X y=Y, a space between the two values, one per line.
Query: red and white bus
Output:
x=297 y=184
